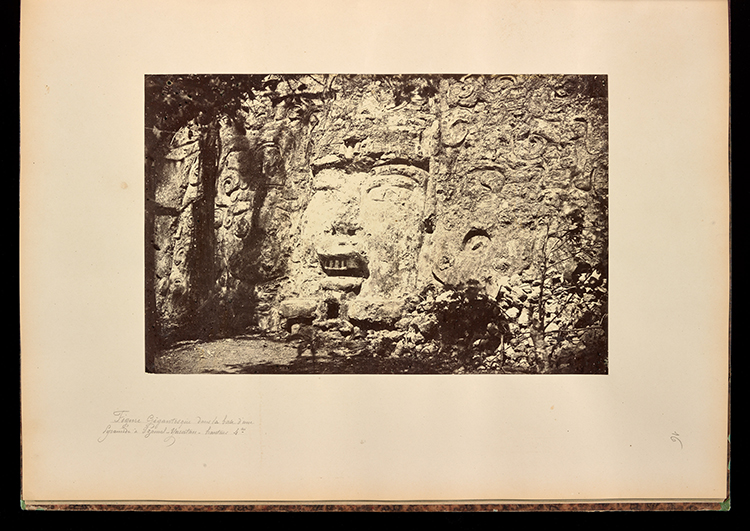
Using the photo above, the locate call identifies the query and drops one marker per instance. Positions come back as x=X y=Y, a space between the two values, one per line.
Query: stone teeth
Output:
x=334 y=263
x=344 y=263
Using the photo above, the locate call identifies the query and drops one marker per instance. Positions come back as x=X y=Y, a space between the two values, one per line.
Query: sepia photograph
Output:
x=376 y=224
x=458 y=256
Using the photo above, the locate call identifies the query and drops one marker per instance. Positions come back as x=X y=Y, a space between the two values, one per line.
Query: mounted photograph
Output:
x=376 y=224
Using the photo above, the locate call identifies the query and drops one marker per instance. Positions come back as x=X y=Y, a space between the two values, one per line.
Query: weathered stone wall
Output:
x=372 y=202
x=178 y=197
x=517 y=153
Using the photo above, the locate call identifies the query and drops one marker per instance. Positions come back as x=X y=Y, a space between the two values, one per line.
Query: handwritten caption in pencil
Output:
x=170 y=429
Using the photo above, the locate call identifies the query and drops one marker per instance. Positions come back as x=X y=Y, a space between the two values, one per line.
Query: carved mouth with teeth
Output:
x=344 y=265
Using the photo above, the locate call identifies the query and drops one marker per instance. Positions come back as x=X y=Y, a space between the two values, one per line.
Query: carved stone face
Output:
x=366 y=228
x=363 y=228
x=471 y=247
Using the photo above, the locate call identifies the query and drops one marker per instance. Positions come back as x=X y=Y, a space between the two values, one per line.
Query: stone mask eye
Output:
x=392 y=188
x=388 y=193
x=476 y=243
x=475 y=240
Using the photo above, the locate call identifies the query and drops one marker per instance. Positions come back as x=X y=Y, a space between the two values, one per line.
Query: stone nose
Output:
x=343 y=231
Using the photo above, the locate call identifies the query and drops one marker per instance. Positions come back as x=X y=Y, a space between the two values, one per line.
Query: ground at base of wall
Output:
x=256 y=354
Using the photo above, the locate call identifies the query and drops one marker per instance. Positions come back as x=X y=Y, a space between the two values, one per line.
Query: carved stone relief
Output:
x=343 y=199
x=362 y=230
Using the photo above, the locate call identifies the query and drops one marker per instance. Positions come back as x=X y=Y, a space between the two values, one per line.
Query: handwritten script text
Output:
x=123 y=423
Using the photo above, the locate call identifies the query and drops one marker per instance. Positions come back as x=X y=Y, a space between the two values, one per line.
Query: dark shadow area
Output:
x=332 y=364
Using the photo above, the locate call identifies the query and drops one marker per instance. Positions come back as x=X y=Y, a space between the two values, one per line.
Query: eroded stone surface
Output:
x=352 y=198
